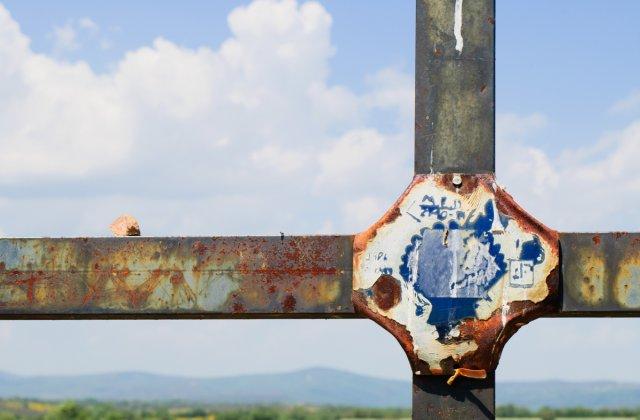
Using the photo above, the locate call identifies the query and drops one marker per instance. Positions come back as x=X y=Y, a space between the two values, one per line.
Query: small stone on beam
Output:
x=125 y=225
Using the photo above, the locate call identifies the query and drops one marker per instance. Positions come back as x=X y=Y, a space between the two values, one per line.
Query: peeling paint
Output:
x=457 y=25
x=459 y=254
x=601 y=273
x=138 y=277
x=627 y=285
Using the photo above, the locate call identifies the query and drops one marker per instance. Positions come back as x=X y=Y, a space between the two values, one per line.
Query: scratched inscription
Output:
x=456 y=258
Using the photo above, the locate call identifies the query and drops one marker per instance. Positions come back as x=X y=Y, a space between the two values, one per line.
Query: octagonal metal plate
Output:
x=453 y=270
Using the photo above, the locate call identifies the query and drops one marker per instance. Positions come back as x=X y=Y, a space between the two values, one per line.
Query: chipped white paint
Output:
x=449 y=247
x=431 y=162
x=457 y=25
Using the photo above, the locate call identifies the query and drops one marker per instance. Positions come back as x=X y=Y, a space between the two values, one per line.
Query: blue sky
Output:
x=182 y=114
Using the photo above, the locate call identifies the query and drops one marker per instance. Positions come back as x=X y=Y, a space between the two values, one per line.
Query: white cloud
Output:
x=174 y=121
x=88 y=24
x=629 y=103
x=75 y=34
x=392 y=89
x=56 y=118
x=170 y=121
x=519 y=161
x=590 y=188
x=327 y=228
x=279 y=159
x=259 y=108
x=348 y=156
x=363 y=212
x=64 y=38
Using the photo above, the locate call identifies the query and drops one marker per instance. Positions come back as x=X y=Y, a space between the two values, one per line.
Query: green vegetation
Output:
x=13 y=409
x=91 y=410
x=546 y=413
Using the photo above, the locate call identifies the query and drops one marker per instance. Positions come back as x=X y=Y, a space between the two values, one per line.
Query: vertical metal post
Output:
x=454 y=132
x=455 y=95
x=467 y=398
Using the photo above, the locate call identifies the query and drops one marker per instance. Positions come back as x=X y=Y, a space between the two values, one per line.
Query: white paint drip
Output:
x=457 y=25
x=431 y=161
x=505 y=305
x=505 y=311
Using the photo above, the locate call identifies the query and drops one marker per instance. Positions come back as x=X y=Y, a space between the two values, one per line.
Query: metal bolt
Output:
x=457 y=180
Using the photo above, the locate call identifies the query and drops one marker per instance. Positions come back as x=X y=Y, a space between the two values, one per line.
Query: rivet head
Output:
x=457 y=180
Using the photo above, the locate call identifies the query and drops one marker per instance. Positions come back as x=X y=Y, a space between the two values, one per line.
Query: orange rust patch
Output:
x=507 y=206
x=396 y=329
x=386 y=292
x=469 y=183
x=491 y=334
x=484 y=335
x=361 y=239
x=289 y=303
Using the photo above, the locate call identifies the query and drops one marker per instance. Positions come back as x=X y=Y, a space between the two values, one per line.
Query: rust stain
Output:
x=601 y=273
x=469 y=183
x=507 y=206
x=386 y=292
x=239 y=308
x=492 y=334
x=138 y=276
x=397 y=330
x=627 y=282
x=289 y=303
x=478 y=341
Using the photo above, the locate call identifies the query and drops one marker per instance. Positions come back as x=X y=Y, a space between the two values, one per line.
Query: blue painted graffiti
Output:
x=442 y=210
x=455 y=264
x=521 y=270
x=532 y=251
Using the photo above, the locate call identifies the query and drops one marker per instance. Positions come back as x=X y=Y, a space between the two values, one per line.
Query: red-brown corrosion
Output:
x=489 y=335
x=396 y=329
x=145 y=277
x=386 y=292
x=600 y=273
x=508 y=207
x=289 y=303
x=469 y=182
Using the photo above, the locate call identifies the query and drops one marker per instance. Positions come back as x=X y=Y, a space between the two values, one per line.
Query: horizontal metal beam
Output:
x=600 y=274
x=219 y=277
x=455 y=93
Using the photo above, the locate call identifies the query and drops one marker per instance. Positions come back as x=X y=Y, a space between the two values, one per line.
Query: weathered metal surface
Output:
x=454 y=105
x=453 y=271
x=176 y=277
x=600 y=274
x=473 y=399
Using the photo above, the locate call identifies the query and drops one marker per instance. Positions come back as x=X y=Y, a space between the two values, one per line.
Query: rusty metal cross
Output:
x=452 y=270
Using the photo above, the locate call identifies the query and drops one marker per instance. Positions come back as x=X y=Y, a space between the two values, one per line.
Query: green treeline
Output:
x=546 y=413
x=14 y=409
x=87 y=410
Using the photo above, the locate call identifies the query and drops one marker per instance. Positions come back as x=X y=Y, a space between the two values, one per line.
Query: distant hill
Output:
x=597 y=394
x=309 y=386
x=316 y=386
